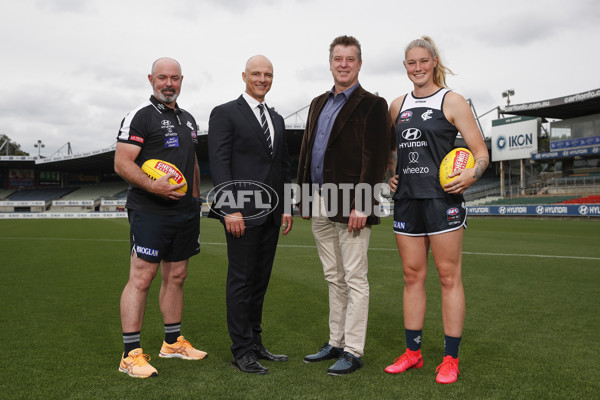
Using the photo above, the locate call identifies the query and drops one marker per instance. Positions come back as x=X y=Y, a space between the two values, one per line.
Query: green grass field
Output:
x=531 y=332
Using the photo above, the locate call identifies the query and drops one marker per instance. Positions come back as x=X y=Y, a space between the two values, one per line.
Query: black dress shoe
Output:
x=264 y=354
x=346 y=364
x=249 y=364
x=327 y=352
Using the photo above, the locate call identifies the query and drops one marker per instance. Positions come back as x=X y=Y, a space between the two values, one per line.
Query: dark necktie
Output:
x=265 y=126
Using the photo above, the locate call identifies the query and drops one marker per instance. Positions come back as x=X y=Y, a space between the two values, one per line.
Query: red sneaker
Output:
x=448 y=370
x=410 y=359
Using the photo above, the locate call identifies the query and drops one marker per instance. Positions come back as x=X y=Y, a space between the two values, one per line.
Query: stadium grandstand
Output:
x=561 y=177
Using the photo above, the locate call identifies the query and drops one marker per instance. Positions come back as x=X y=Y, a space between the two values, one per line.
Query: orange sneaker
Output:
x=410 y=359
x=181 y=349
x=136 y=364
x=448 y=370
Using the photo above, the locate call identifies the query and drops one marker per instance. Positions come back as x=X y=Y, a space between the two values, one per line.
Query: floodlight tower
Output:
x=507 y=94
x=39 y=146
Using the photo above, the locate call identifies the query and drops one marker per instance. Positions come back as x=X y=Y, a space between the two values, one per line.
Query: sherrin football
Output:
x=459 y=158
x=157 y=168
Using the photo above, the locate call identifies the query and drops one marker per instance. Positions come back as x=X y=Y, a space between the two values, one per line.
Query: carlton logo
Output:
x=253 y=199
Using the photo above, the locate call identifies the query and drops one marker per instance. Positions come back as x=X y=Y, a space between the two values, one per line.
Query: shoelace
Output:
x=402 y=358
x=141 y=359
x=447 y=365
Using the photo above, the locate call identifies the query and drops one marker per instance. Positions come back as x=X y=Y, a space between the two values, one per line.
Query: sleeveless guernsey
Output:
x=423 y=136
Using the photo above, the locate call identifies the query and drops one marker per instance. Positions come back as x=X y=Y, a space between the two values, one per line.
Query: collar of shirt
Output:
x=162 y=107
x=253 y=103
x=346 y=92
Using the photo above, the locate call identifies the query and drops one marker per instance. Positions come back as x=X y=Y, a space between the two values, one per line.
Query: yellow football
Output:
x=157 y=168
x=459 y=158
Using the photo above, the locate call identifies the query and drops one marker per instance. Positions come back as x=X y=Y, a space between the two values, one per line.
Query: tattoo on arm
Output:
x=480 y=166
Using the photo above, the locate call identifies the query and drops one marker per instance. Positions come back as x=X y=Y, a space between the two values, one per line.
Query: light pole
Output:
x=39 y=146
x=507 y=94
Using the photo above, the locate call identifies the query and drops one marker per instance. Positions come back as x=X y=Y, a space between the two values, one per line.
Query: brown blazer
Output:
x=358 y=147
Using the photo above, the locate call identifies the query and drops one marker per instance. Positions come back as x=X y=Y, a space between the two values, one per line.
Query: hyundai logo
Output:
x=411 y=134
x=165 y=122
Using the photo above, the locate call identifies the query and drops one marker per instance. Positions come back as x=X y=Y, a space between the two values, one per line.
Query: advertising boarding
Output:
x=514 y=138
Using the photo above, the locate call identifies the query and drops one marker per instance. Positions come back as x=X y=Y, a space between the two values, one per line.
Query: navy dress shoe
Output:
x=346 y=364
x=249 y=364
x=263 y=354
x=327 y=352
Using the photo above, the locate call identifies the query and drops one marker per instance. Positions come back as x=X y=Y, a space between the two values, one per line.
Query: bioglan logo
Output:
x=400 y=226
x=413 y=157
x=146 y=251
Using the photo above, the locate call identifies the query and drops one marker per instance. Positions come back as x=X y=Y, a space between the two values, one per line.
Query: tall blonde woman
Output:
x=427 y=215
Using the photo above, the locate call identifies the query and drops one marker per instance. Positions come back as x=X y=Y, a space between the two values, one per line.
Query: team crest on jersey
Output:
x=427 y=115
x=405 y=116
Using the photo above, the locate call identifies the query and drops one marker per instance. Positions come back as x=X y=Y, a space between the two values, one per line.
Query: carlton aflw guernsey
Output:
x=424 y=136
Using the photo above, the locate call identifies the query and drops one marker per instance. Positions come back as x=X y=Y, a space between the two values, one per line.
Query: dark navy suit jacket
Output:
x=238 y=151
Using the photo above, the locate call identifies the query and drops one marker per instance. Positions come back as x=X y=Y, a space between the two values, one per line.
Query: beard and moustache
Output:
x=169 y=97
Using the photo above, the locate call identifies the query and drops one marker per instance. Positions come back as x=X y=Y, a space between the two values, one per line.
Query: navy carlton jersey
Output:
x=165 y=134
x=423 y=136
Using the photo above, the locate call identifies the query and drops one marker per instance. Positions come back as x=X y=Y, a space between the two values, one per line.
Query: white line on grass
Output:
x=313 y=247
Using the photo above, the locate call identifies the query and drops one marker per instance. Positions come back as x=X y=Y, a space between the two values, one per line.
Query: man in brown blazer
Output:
x=343 y=158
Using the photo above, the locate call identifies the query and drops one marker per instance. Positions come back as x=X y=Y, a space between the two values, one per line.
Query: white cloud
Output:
x=72 y=69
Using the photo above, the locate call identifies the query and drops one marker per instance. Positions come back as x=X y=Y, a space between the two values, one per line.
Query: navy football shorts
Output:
x=424 y=217
x=171 y=238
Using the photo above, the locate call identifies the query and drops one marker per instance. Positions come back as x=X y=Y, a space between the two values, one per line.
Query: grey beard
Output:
x=166 y=99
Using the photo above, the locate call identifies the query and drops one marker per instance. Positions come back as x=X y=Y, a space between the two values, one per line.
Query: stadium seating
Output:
x=583 y=200
x=97 y=192
x=39 y=194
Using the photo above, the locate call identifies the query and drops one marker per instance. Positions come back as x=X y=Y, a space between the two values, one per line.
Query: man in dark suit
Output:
x=249 y=166
x=346 y=143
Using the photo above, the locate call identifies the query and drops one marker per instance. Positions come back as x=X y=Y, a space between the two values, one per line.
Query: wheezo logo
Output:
x=243 y=196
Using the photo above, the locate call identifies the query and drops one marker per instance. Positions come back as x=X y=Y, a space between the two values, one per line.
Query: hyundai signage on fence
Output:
x=514 y=138
x=554 y=210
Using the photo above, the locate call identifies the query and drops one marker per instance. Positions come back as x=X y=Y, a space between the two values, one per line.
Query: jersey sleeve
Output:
x=133 y=128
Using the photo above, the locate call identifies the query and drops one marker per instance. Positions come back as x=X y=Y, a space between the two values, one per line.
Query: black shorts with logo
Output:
x=155 y=237
x=424 y=217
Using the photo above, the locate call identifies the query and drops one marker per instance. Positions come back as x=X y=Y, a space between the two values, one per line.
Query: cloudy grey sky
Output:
x=72 y=69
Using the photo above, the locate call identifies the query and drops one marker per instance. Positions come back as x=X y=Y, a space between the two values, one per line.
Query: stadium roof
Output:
x=90 y=161
x=576 y=105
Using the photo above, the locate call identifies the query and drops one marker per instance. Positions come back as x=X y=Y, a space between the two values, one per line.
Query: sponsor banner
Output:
x=579 y=142
x=588 y=151
x=73 y=202
x=514 y=138
x=90 y=215
x=23 y=203
x=113 y=202
x=592 y=94
x=555 y=210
